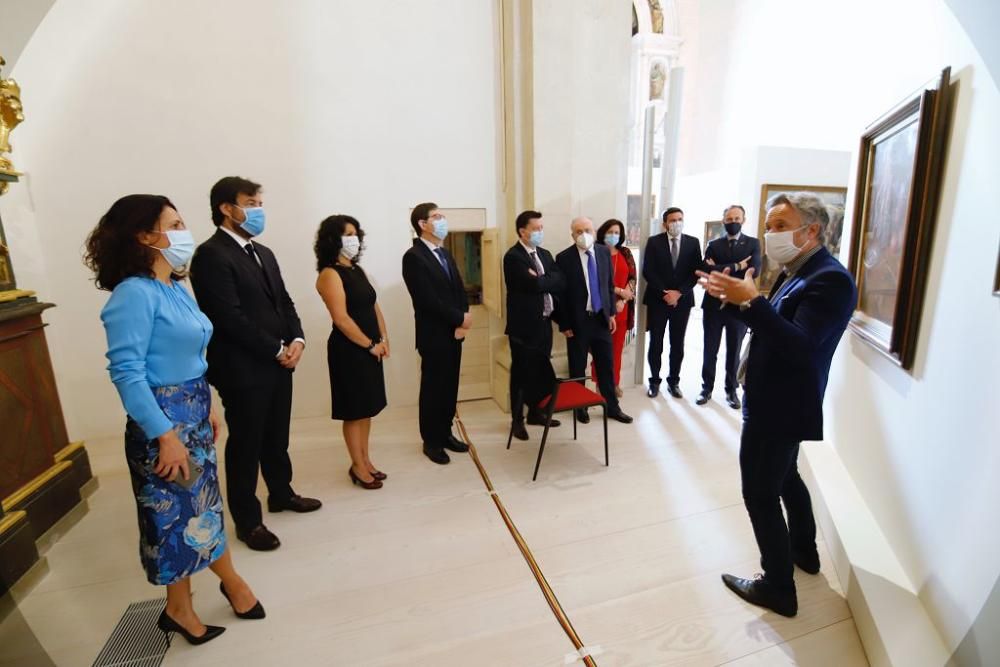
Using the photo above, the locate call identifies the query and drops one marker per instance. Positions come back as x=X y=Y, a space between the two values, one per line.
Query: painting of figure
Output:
x=885 y=232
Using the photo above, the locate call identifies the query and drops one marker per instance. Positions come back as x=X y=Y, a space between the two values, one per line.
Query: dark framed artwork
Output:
x=714 y=229
x=633 y=224
x=835 y=199
x=900 y=163
x=996 y=276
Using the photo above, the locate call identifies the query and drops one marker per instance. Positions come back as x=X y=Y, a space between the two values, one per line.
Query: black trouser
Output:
x=592 y=335
x=525 y=360
x=769 y=471
x=715 y=321
x=658 y=317
x=439 y=369
x=257 y=417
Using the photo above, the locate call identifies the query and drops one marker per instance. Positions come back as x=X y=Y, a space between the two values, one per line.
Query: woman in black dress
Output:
x=357 y=344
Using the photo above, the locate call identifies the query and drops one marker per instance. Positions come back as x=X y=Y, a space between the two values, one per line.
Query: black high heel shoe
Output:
x=254 y=613
x=374 y=484
x=168 y=625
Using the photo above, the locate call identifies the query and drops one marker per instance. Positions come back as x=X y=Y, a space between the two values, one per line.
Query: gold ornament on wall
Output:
x=11 y=115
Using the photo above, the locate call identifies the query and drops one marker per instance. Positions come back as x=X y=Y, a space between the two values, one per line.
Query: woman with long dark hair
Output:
x=157 y=338
x=358 y=342
x=612 y=234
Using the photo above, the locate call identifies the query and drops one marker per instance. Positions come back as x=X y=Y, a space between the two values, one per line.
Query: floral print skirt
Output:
x=180 y=530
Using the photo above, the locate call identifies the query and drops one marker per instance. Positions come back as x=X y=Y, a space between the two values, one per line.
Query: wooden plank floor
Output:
x=423 y=571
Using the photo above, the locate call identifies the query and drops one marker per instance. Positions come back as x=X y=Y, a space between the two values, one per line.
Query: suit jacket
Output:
x=572 y=308
x=249 y=308
x=718 y=251
x=794 y=337
x=660 y=273
x=525 y=292
x=439 y=302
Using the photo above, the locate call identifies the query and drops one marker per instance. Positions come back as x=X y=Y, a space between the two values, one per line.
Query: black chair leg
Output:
x=541 y=448
x=510 y=435
x=574 y=423
x=605 y=409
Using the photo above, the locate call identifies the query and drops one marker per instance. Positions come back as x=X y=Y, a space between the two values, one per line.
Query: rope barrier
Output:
x=582 y=651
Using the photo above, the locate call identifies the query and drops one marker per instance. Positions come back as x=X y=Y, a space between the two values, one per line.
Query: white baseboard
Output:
x=891 y=620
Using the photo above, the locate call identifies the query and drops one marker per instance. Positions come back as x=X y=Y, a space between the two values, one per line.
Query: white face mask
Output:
x=674 y=228
x=350 y=246
x=585 y=241
x=780 y=246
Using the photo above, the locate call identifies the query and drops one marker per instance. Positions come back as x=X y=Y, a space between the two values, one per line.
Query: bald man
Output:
x=586 y=313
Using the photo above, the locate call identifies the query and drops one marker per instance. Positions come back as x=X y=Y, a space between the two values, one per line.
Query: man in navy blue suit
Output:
x=739 y=253
x=586 y=313
x=669 y=263
x=784 y=375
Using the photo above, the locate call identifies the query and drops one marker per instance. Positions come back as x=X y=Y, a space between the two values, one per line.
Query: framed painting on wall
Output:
x=996 y=276
x=633 y=220
x=835 y=199
x=900 y=163
x=713 y=230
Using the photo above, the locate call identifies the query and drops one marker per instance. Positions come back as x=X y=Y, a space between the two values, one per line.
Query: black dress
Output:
x=357 y=385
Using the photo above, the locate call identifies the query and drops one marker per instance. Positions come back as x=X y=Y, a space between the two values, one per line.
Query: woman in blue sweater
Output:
x=156 y=351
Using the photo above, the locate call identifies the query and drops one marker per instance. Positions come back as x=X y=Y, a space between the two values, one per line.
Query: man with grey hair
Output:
x=784 y=375
x=586 y=313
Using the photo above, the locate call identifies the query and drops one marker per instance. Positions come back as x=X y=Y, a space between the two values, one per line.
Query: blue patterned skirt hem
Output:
x=181 y=531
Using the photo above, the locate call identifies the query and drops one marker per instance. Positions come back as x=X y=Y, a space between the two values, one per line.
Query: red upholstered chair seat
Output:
x=571 y=396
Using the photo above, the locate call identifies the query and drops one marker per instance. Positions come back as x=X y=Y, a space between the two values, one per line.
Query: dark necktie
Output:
x=439 y=252
x=546 y=297
x=595 y=284
x=674 y=251
x=260 y=265
x=253 y=254
x=732 y=247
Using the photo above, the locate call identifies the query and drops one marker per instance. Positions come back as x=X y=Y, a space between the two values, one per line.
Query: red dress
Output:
x=623 y=274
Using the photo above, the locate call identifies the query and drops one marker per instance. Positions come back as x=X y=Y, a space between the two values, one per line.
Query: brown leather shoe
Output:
x=259 y=538
x=293 y=504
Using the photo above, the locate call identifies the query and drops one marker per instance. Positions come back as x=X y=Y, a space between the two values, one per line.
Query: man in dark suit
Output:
x=256 y=345
x=586 y=313
x=668 y=265
x=441 y=313
x=533 y=282
x=784 y=375
x=735 y=252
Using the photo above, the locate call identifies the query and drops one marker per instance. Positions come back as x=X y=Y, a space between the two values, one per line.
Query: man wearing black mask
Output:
x=735 y=252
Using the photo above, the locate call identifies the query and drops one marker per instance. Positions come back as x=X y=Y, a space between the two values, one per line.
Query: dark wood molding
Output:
x=17 y=549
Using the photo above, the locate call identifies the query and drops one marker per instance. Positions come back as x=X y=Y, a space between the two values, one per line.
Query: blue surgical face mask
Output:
x=254 y=222
x=611 y=240
x=536 y=237
x=181 y=248
x=439 y=228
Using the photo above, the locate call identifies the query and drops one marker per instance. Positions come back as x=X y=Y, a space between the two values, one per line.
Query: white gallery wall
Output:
x=921 y=446
x=365 y=108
